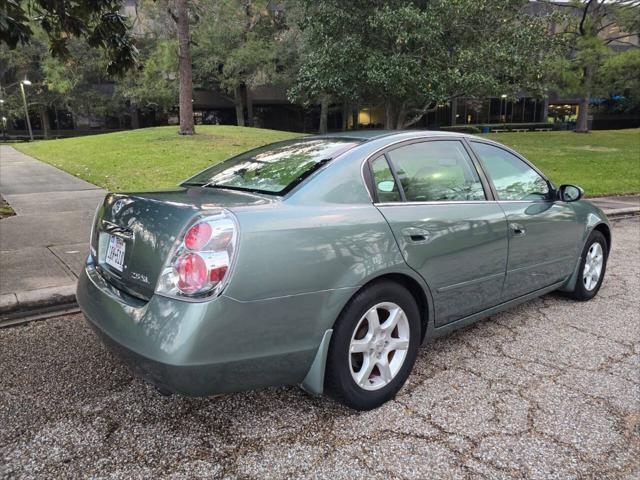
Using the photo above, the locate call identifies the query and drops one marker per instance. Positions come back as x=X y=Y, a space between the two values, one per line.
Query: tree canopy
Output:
x=98 y=22
x=410 y=56
x=591 y=29
x=413 y=55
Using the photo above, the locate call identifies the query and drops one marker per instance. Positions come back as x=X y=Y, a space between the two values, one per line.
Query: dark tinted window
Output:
x=513 y=178
x=273 y=168
x=436 y=171
x=383 y=180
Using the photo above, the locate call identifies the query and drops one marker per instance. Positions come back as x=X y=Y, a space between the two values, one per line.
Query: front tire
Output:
x=373 y=347
x=592 y=267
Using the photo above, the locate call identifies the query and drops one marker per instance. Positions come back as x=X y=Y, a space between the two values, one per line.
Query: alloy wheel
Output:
x=593 y=266
x=378 y=346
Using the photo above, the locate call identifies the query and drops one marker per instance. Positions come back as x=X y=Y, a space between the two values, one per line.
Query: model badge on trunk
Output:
x=118 y=206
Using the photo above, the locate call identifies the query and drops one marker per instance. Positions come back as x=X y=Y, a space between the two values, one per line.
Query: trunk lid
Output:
x=146 y=226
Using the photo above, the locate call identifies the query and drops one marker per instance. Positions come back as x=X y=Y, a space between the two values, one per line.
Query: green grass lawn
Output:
x=602 y=162
x=149 y=158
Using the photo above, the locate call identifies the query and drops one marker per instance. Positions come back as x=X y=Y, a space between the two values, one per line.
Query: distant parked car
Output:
x=326 y=261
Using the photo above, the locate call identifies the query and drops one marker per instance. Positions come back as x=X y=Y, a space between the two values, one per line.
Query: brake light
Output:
x=198 y=236
x=192 y=272
x=218 y=273
x=201 y=259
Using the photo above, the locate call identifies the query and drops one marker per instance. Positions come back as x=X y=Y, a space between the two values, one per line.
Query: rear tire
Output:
x=592 y=268
x=373 y=347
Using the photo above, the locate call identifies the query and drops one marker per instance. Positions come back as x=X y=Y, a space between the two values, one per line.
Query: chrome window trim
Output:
x=454 y=202
x=435 y=202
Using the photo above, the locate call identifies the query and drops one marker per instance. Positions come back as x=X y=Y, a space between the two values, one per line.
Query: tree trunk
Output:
x=354 y=116
x=324 y=113
x=238 y=102
x=401 y=117
x=582 y=124
x=545 y=110
x=186 y=81
x=389 y=115
x=454 y=111
x=249 y=101
x=44 y=119
x=135 y=116
x=345 y=114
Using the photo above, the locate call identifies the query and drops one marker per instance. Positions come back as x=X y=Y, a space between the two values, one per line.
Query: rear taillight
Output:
x=200 y=263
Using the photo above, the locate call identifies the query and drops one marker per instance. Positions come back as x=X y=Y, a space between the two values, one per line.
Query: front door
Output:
x=543 y=232
x=431 y=195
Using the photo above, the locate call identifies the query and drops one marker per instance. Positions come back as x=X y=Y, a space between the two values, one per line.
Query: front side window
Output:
x=275 y=168
x=436 y=171
x=512 y=178
x=384 y=183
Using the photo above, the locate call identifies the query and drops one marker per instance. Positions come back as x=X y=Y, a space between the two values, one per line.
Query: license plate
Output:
x=115 y=253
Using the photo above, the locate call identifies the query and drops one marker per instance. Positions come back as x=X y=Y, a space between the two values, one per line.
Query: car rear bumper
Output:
x=211 y=347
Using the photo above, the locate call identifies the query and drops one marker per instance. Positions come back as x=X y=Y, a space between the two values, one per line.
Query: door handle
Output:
x=517 y=230
x=416 y=235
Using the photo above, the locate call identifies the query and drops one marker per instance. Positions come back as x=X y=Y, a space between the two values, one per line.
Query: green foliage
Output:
x=415 y=54
x=239 y=44
x=619 y=76
x=590 y=64
x=155 y=85
x=99 y=23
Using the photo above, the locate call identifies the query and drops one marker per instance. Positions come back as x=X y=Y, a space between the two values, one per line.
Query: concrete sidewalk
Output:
x=618 y=206
x=43 y=246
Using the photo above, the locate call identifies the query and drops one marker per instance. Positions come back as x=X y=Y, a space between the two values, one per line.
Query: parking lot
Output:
x=550 y=389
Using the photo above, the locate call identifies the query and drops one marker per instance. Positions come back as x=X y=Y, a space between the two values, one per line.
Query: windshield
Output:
x=274 y=168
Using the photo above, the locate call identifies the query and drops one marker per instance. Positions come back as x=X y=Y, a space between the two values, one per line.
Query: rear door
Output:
x=543 y=232
x=447 y=226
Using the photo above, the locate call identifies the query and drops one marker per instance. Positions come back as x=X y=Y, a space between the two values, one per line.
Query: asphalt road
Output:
x=548 y=390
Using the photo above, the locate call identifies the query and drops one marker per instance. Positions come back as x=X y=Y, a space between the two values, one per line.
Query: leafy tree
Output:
x=333 y=55
x=415 y=55
x=163 y=80
x=618 y=76
x=98 y=22
x=243 y=44
x=154 y=86
x=591 y=28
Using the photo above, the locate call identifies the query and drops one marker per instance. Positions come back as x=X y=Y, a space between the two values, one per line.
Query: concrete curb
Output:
x=25 y=303
x=622 y=212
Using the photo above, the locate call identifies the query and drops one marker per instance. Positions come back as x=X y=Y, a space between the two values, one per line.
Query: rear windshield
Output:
x=273 y=169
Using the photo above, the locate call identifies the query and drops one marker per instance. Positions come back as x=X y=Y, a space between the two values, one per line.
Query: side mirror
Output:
x=570 y=193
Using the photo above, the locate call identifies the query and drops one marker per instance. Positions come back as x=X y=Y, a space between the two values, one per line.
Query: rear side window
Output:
x=512 y=178
x=385 y=185
x=436 y=171
x=273 y=169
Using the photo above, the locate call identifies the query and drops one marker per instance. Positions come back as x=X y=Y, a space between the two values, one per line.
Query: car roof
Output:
x=366 y=135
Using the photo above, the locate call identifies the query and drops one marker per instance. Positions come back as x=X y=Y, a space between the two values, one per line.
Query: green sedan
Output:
x=326 y=261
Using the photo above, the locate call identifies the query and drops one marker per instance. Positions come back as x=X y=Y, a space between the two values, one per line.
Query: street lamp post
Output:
x=26 y=109
x=3 y=119
x=503 y=101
